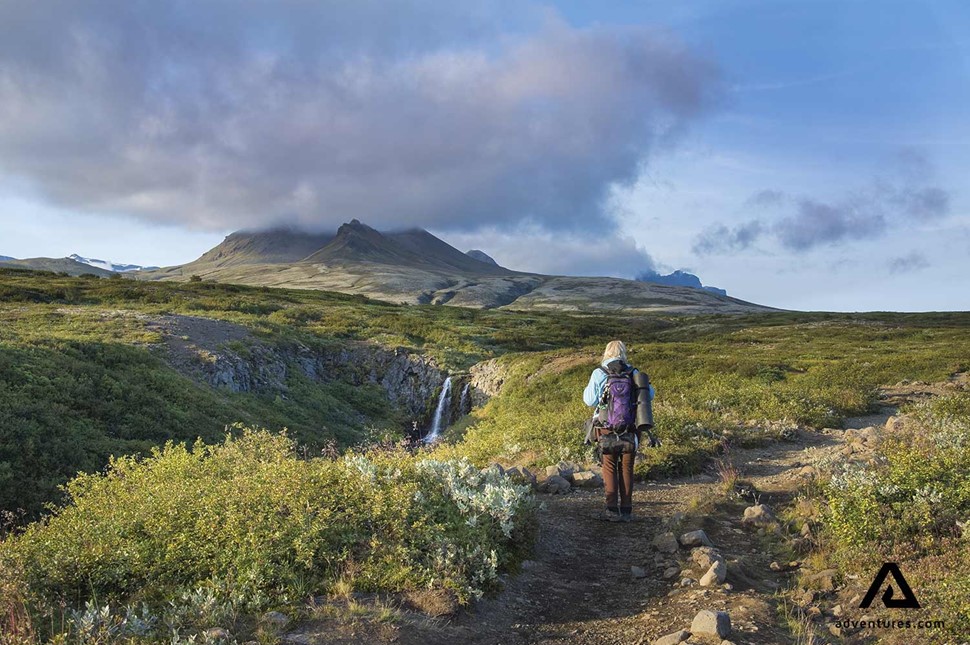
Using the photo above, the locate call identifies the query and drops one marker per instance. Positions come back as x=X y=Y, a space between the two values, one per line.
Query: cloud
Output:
x=538 y=250
x=721 y=238
x=228 y=115
x=802 y=223
x=816 y=223
x=766 y=198
x=914 y=261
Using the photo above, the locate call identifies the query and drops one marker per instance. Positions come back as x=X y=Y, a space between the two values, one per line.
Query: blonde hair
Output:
x=615 y=349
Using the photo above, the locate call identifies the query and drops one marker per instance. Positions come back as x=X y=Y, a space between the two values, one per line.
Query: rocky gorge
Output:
x=228 y=356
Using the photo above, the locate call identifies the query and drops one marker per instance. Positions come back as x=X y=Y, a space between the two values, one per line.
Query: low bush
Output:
x=254 y=526
x=916 y=490
x=910 y=504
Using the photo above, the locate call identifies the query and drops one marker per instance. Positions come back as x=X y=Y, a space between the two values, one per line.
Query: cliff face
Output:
x=409 y=380
x=221 y=354
x=224 y=355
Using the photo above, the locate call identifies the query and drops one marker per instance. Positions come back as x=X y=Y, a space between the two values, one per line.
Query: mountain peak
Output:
x=481 y=256
x=272 y=246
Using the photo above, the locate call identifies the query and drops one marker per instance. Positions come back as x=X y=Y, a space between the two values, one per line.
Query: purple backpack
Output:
x=618 y=404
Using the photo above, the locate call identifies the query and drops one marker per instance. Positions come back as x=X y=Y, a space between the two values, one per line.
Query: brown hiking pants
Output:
x=618 y=480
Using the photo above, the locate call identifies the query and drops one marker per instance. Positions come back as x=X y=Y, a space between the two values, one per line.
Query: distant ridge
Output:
x=56 y=265
x=413 y=266
x=109 y=266
x=678 y=279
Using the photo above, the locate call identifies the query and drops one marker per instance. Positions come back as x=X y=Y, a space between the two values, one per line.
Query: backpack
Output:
x=618 y=403
x=617 y=411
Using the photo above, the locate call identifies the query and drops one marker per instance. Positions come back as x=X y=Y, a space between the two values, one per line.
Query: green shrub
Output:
x=915 y=491
x=259 y=527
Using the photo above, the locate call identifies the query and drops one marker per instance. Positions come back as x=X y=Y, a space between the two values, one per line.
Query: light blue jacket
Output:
x=597 y=381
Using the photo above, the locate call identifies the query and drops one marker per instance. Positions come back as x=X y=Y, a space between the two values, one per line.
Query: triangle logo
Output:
x=908 y=601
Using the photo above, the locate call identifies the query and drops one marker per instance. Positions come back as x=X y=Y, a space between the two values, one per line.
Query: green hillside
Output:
x=246 y=520
x=80 y=383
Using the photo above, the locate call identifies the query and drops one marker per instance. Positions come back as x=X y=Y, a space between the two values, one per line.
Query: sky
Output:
x=807 y=155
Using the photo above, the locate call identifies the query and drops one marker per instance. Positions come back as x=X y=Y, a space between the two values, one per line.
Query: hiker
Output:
x=614 y=389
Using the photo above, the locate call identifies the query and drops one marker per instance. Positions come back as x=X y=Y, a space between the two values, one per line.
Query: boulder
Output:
x=670 y=573
x=555 y=485
x=695 y=538
x=895 y=424
x=758 y=515
x=673 y=639
x=565 y=469
x=714 y=575
x=587 y=479
x=665 y=542
x=705 y=556
x=712 y=623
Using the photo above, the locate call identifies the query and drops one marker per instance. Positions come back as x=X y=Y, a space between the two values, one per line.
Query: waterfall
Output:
x=463 y=401
x=440 y=411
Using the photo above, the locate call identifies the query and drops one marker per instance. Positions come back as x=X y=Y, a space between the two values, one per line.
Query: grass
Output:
x=208 y=529
x=742 y=385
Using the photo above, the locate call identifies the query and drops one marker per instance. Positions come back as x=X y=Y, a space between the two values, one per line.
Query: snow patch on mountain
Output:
x=108 y=265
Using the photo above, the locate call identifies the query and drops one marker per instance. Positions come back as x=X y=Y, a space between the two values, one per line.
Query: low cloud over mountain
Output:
x=225 y=115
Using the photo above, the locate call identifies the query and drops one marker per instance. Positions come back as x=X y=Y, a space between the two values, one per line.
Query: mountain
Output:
x=4 y=258
x=679 y=279
x=56 y=265
x=413 y=266
x=109 y=266
x=275 y=246
x=481 y=256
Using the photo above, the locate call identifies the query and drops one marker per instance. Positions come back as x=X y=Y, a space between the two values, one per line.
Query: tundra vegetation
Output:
x=160 y=523
x=909 y=504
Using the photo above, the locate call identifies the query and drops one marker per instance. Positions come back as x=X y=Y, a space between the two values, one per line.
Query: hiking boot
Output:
x=626 y=517
x=607 y=515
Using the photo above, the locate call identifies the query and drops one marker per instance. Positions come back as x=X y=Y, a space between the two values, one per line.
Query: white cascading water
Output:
x=463 y=401
x=440 y=411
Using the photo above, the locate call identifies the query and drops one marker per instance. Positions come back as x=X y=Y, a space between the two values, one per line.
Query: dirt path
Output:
x=579 y=588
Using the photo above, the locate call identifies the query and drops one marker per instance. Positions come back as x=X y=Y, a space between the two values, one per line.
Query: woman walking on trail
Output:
x=615 y=388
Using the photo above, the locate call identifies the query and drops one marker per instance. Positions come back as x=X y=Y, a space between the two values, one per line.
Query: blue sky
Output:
x=799 y=154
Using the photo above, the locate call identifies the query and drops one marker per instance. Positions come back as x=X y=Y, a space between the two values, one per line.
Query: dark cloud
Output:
x=245 y=114
x=816 y=223
x=721 y=238
x=914 y=261
x=804 y=223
